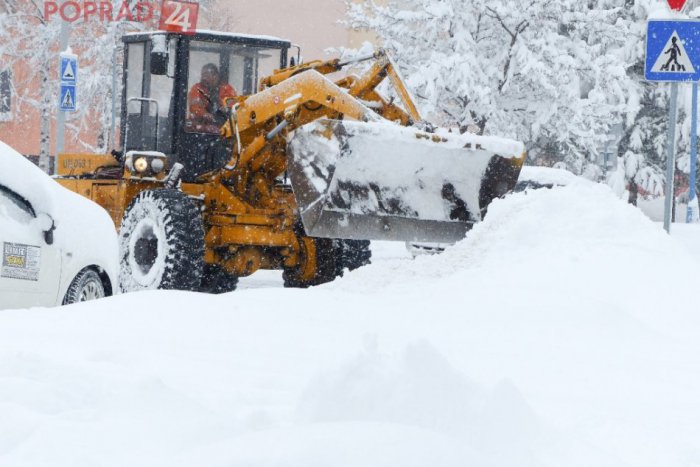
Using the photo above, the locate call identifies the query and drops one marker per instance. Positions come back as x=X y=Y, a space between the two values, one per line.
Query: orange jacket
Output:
x=201 y=105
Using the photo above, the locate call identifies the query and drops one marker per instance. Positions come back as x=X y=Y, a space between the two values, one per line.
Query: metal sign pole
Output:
x=113 y=123
x=670 y=155
x=61 y=117
x=692 y=195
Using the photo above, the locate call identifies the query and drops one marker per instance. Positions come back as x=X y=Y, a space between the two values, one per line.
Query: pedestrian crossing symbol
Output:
x=68 y=72
x=674 y=58
x=673 y=50
x=67 y=102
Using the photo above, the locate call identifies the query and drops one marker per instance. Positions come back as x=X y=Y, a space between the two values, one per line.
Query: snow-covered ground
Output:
x=563 y=331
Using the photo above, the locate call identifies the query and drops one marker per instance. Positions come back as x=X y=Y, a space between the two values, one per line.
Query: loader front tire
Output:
x=318 y=264
x=161 y=242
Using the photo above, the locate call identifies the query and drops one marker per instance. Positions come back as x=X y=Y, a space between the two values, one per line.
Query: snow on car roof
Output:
x=546 y=175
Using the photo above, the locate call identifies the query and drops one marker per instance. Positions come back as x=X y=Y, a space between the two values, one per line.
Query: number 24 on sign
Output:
x=176 y=16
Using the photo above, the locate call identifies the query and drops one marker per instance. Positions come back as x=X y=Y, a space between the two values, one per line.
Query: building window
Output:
x=5 y=96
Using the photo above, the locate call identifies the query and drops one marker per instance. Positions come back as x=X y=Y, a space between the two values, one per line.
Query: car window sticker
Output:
x=20 y=261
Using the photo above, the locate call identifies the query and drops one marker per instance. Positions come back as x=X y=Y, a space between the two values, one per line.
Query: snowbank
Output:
x=557 y=334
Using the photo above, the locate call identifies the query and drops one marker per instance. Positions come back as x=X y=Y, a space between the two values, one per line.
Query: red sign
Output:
x=676 y=4
x=177 y=16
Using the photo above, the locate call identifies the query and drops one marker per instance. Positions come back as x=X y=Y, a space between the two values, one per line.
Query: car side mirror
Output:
x=46 y=224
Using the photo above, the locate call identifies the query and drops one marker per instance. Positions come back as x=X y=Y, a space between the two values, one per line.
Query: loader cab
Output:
x=169 y=100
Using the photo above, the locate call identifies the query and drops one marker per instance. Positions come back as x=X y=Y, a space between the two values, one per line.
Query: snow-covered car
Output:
x=533 y=178
x=57 y=247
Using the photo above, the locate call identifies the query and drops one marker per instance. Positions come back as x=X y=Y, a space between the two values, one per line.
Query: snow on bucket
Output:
x=381 y=181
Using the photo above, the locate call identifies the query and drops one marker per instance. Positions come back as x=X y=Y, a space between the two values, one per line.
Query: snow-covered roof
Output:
x=209 y=32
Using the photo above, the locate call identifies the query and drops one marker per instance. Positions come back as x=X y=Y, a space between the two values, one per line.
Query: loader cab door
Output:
x=149 y=99
x=218 y=74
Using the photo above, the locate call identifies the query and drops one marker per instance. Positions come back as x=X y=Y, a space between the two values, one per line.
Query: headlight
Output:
x=157 y=165
x=141 y=164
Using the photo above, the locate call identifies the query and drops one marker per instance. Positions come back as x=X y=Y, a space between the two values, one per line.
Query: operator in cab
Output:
x=208 y=101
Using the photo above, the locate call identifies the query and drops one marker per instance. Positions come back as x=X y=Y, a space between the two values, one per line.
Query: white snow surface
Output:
x=559 y=333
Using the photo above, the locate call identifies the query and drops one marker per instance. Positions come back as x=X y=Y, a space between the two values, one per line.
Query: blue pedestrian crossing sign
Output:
x=68 y=71
x=673 y=51
x=66 y=101
x=68 y=77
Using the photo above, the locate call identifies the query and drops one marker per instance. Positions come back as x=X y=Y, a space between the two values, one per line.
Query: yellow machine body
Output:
x=252 y=218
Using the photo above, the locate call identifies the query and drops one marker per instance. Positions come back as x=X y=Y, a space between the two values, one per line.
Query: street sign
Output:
x=673 y=55
x=179 y=16
x=68 y=77
x=673 y=51
x=676 y=4
x=66 y=101
x=68 y=71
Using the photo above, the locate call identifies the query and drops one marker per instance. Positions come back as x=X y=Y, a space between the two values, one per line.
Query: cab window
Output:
x=148 y=100
x=217 y=75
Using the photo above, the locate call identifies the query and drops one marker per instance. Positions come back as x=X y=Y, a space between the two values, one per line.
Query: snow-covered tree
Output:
x=30 y=39
x=27 y=37
x=642 y=150
x=546 y=72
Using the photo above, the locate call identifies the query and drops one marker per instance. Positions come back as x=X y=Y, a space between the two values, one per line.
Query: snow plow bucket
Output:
x=381 y=181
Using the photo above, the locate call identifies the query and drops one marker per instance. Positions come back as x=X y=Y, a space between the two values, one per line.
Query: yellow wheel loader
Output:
x=293 y=170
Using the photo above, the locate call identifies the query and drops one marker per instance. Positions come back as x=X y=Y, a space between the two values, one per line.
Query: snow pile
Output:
x=420 y=388
x=541 y=226
x=582 y=224
x=553 y=336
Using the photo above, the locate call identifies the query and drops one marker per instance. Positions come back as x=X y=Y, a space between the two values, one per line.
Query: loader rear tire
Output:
x=161 y=242
x=318 y=264
x=353 y=254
